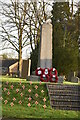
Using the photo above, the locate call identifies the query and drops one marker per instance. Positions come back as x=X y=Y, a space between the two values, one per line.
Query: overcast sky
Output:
x=44 y=0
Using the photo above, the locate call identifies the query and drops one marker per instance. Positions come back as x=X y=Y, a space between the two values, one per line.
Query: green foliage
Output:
x=65 y=35
x=61 y=13
x=65 y=60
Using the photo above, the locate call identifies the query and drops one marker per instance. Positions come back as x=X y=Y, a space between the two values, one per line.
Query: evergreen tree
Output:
x=61 y=13
x=65 y=50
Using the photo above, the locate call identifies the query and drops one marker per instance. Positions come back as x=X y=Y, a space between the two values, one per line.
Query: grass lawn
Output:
x=16 y=92
x=33 y=112
x=10 y=79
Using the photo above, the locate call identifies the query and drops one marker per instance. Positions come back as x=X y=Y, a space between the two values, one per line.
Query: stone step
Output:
x=60 y=87
x=57 y=102
x=70 y=88
x=66 y=97
x=64 y=92
x=66 y=107
x=63 y=85
x=66 y=100
x=63 y=88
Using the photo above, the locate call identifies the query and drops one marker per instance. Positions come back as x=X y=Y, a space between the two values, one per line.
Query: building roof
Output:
x=7 y=62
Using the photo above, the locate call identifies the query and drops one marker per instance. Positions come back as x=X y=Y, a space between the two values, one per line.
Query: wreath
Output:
x=53 y=78
x=39 y=71
x=46 y=71
x=47 y=74
x=53 y=71
x=44 y=78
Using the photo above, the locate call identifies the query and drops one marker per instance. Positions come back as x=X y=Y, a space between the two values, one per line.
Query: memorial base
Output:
x=37 y=78
x=60 y=79
x=33 y=78
x=75 y=79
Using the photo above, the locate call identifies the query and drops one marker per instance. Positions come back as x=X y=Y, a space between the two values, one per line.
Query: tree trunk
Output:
x=20 y=60
x=31 y=36
x=20 y=30
x=20 y=51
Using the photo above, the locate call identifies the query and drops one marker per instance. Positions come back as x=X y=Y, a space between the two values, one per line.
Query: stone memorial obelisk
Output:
x=45 y=51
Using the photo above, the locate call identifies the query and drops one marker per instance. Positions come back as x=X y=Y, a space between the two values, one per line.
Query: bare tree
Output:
x=13 y=27
x=21 y=25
